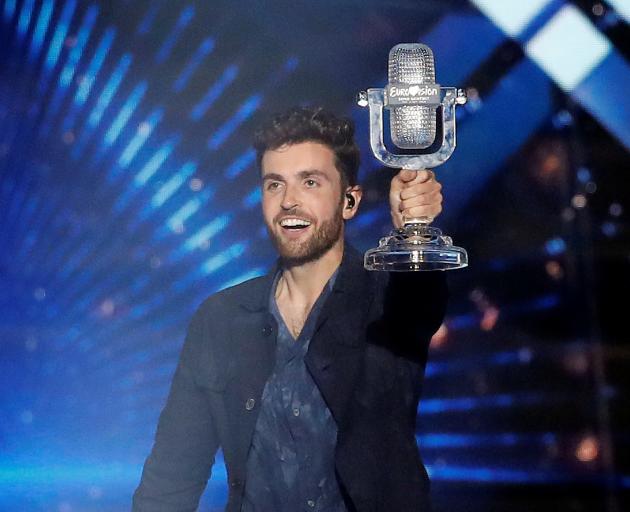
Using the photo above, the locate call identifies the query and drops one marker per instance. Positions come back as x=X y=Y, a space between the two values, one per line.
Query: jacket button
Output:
x=249 y=405
x=267 y=330
x=235 y=483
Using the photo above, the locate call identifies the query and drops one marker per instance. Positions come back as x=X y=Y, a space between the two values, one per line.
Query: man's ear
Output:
x=352 y=199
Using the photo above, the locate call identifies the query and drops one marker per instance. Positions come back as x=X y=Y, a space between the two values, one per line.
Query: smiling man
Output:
x=308 y=378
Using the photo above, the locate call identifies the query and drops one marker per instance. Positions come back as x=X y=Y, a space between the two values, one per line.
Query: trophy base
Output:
x=415 y=247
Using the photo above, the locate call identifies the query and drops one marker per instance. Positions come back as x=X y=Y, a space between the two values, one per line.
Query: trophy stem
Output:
x=425 y=221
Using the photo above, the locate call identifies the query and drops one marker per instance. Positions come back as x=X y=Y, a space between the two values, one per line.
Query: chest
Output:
x=294 y=315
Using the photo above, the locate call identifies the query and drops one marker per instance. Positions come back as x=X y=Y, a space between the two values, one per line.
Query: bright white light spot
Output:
x=568 y=48
x=511 y=16
x=578 y=201
x=144 y=128
x=196 y=184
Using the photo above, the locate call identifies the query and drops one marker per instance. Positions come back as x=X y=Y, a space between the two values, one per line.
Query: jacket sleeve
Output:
x=413 y=309
x=178 y=468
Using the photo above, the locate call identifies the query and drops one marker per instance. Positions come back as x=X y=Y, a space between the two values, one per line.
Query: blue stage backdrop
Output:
x=129 y=192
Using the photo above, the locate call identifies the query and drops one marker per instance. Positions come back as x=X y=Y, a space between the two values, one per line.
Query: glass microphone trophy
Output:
x=419 y=108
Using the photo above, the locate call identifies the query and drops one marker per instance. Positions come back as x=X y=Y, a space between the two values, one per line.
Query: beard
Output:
x=294 y=253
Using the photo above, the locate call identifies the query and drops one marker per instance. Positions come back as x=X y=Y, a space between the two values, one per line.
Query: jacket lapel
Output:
x=335 y=352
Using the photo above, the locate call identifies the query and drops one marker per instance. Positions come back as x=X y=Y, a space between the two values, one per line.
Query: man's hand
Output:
x=414 y=194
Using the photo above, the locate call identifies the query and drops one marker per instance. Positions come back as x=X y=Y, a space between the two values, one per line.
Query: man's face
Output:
x=302 y=201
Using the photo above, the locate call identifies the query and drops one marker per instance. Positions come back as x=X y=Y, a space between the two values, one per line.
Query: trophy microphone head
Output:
x=412 y=126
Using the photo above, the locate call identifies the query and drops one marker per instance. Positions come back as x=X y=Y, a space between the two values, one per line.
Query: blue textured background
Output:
x=128 y=193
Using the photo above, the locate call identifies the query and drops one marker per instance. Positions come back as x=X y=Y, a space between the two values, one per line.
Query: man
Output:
x=308 y=378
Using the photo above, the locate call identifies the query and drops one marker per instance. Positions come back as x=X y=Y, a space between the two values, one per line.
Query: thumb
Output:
x=407 y=175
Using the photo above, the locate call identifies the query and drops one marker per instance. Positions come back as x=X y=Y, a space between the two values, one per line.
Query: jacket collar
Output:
x=349 y=274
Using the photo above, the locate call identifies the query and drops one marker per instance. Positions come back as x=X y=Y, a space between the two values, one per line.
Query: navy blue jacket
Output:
x=367 y=357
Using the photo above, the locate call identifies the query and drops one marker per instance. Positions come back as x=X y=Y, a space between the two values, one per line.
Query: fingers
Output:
x=431 y=211
x=414 y=194
x=426 y=199
x=417 y=189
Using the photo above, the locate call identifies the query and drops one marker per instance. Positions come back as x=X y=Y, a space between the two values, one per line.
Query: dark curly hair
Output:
x=312 y=124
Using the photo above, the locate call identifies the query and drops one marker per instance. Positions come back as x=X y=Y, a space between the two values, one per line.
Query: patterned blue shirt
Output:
x=290 y=465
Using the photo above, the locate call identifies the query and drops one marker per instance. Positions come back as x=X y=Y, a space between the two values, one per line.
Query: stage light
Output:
x=587 y=449
x=173 y=184
x=622 y=7
x=597 y=9
x=223 y=258
x=176 y=222
x=125 y=113
x=583 y=174
x=154 y=163
x=554 y=270
x=106 y=308
x=578 y=201
x=145 y=128
x=577 y=362
x=568 y=47
x=202 y=238
x=40 y=28
x=512 y=16
x=439 y=339
x=555 y=246
x=489 y=318
x=195 y=184
x=214 y=92
x=609 y=229
x=615 y=209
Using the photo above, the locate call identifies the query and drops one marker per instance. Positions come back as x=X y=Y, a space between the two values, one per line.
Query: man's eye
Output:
x=273 y=185
x=310 y=183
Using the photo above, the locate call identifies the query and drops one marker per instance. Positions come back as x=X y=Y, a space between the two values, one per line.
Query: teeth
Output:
x=294 y=223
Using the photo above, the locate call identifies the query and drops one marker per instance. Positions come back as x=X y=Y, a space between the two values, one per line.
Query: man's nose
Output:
x=290 y=199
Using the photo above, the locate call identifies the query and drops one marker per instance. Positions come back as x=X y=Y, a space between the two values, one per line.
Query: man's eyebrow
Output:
x=302 y=174
x=312 y=172
x=273 y=176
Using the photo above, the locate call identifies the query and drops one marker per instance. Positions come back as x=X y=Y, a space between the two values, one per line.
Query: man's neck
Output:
x=304 y=283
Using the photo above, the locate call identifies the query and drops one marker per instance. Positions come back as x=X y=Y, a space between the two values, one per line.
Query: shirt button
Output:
x=296 y=412
x=310 y=503
x=249 y=405
x=266 y=330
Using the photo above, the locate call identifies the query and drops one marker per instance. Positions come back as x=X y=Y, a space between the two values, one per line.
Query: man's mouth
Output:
x=294 y=223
